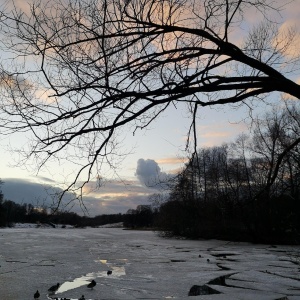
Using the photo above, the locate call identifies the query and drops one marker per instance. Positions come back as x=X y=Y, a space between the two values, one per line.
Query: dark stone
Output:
x=223 y=267
x=197 y=290
x=218 y=281
x=177 y=260
x=223 y=255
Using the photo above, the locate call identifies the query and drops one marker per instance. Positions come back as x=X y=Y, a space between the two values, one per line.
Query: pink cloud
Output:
x=288 y=38
x=218 y=133
x=171 y=160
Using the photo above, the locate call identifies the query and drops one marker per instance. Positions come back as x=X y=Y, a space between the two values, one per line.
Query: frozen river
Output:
x=143 y=265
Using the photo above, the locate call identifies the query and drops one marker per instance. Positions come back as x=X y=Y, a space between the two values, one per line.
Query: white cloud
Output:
x=149 y=174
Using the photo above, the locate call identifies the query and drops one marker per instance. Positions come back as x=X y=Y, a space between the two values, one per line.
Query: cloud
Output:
x=149 y=174
x=25 y=191
x=218 y=133
x=45 y=179
x=13 y=82
x=22 y=5
x=288 y=38
x=114 y=204
x=115 y=188
x=112 y=198
x=171 y=160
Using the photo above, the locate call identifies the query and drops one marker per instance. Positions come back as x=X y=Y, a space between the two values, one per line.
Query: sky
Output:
x=157 y=151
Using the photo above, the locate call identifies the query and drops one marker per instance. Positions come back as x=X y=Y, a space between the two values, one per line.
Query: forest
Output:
x=77 y=75
x=246 y=190
x=12 y=213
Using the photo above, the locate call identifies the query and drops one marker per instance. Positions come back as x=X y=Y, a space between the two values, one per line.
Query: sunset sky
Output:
x=158 y=150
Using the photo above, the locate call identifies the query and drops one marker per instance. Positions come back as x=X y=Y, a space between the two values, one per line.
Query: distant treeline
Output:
x=248 y=190
x=11 y=213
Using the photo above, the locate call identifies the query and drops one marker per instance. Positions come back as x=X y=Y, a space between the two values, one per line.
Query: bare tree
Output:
x=275 y=143
x=82 y=71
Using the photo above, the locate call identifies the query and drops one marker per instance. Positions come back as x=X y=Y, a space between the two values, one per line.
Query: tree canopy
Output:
x=77 y=73
x=243 y=190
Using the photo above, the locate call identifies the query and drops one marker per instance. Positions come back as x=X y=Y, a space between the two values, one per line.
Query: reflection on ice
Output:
x=117 y=271
x=115 y=266
x=77 y=282
x=103 y=261
x=117 y=261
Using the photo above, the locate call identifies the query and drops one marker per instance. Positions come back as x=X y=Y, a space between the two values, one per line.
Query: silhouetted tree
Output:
x=141 y=217
x=104 y=66
x=2 y=218
x=246 y=189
